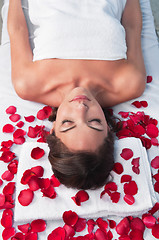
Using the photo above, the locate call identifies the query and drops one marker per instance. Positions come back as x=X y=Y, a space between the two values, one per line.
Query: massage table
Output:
x=107 y=213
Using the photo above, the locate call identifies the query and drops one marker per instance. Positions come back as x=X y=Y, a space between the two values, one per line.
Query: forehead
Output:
x=82 y=138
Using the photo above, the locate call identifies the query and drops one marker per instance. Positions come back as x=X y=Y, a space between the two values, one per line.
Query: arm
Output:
x=129 y=80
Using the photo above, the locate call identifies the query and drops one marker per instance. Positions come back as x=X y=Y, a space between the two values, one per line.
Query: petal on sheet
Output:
x=38 y=170
x=13 y=166
x=126 y=153
x=123 y=227
x=58 y=233
x=130 y=188
x=152 y=130
x=8 y=128
x=155 y=162
x=149 y=79
x=30 y=118
x=15 y=117
x=37 y=153
x=38 y=225
x=80 y=225
x=9 y=188
x=115 y=196
x=7 y=175
x=25 y=197
x=7 y=156
x=137 y=224
x=7 y=233
x=20 y=124
x=149 y=220
x=24 y=228
x=129 y=199
x=102 y=224
x=11 y=110
x=118 y=168
x=126 y=178
x=70 y=218
x=137 y=104
x=155 y=231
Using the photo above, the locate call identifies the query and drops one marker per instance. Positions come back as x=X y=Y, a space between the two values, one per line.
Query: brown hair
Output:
x=81 y=169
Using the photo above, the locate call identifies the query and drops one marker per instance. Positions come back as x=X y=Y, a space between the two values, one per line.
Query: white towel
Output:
x=52 y=209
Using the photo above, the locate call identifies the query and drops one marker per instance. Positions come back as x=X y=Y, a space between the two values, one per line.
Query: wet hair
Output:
x=81 y=169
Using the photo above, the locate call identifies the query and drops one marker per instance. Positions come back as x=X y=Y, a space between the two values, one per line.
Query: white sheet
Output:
x=25 y=108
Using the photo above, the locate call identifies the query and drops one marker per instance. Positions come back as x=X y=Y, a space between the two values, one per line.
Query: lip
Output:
x=80 y=97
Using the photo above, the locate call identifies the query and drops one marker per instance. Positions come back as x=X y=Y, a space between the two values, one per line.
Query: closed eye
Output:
x=93 y=124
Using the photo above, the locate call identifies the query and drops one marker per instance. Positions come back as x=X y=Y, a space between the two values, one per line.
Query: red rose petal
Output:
x=7 y=175
x=149 y=220
x=152 y=130
x=124 y=114
x=81 y=196
x=154 y=209
x=137 y=224
x=19 y=140
x=70 y=218
x=80 y=225
x=137 y=104
x=7 y=233
x=6 y=145
x=11 y=110
x=38 y=170
x=144 y=103
x=126 y=153
x=49 y=192
x=115 y=196
x=30 y=118
x=13 y=166
x=125 y=178
x=19 y=133
x=8 y=128
x=70 y=232
x=31 y=236
x=14 y=117
x=25 y=197
x=156 y=187
x=136 y=235
x=18 y=236
x=24 y=228
x=156 y=177
x=44 y=183
x=123 y=227
x=136 y=170
x=20 y=124
x=31 y=132
x=112 y=186
x=6 y=220
x=1 y=182
x=129 y=199
x=155 y=162
x=130 y=188
x=26 y=176
x=102 y=224
x=54 y=181
x=58 y=233
x=33 y=183
x=112 y=223
x=149 y=79
x=99 y=234
x=38 y=225
x=37 y=153
x=9 y=188
x=154 y=141
x=2 y=199
x=118 y=168
x=155 y=231
x=42 y=114
x=91 y=223
x=7 y=156
x=135 y=162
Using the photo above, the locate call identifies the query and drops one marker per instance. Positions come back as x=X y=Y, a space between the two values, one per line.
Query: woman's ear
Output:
x=53 y=127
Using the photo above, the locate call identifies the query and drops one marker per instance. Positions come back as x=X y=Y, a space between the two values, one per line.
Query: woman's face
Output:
x=80 y=122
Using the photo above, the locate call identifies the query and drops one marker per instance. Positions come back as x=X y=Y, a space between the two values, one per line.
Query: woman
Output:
x=93 y=72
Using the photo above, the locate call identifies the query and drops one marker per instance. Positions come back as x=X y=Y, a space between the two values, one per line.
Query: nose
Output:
x=82 y=105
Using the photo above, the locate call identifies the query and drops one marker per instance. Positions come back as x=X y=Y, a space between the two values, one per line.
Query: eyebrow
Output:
x=97 y=129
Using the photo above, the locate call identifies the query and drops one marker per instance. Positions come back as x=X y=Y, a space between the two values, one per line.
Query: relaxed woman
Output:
x=87 y=56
